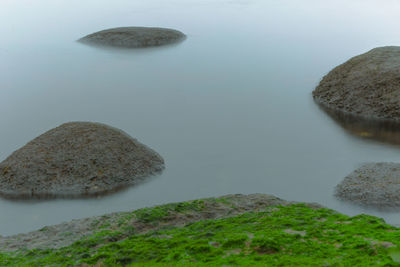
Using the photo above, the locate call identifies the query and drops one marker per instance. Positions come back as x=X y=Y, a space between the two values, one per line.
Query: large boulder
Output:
x=373 y=184
x=77 y=159
x=367 y=85
x=133 y=37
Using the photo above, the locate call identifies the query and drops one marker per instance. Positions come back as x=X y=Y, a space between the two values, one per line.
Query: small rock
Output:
x=373 y=184
x=134 y=37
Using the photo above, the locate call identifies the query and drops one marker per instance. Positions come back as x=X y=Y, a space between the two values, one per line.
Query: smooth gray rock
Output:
x=373 y=184
x=134 y=37
x=367 y=85
x=77 y=159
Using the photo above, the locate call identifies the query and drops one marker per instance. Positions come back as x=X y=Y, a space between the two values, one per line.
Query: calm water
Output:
x=229 y=109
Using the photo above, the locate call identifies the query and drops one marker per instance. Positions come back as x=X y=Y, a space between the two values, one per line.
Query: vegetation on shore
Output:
x=281 y=235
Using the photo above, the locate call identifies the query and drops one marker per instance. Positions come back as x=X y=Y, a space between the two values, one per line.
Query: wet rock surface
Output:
x=77 y=159
x=367 y=85
x=134 y=37
x=64 y=234
x=373 y=184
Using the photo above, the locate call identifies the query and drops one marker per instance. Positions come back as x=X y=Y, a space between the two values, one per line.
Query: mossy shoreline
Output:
x=233 y=230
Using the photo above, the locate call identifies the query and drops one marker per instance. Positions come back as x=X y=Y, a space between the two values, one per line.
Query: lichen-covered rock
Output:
x=367 y=85
x=373 y=184
x=77 y=159
x=133 y=37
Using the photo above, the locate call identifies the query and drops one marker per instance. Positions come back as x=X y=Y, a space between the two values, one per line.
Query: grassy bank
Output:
x=278 y=235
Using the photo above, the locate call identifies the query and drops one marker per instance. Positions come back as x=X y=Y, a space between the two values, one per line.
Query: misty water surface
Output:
x=229 y=109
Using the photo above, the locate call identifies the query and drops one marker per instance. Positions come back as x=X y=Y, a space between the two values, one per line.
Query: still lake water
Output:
x=229 y=109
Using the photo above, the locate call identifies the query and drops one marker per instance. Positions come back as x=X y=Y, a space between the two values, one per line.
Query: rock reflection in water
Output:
x=387 y=131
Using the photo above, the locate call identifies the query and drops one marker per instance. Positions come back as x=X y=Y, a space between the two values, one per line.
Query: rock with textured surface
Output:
x=134 y=37
x=77 y=159
x=373 y=184
x=55 y=236
x=367 y=85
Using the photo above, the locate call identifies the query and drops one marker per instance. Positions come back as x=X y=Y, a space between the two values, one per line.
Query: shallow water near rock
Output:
x=385 y=131
x=230 y=109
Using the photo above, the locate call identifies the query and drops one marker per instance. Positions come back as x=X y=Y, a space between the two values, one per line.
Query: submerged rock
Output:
x=133 y=37
x=367 y=85
x=373 y=184
x=77 y=159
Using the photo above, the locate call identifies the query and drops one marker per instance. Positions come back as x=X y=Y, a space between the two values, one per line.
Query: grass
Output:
x=294 y=235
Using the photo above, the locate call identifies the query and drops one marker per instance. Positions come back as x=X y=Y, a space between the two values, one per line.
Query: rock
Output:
x=54 y=237
x=367 y=85
x=373 y=184
x=133 y=37
x=77 y=159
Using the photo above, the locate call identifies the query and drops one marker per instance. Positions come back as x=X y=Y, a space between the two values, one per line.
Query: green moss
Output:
x=151 y=215
x=155 y=214
x=194 y=205
x=265 y=245
x=222 y=200
x=293 y=235
x=44 y=229
x=235 y=241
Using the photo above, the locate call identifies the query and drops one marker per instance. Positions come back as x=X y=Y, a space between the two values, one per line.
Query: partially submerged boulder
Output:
x=373 y=184
x=134 y=37
x=77 y=159
x=367 y=85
